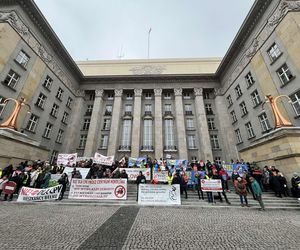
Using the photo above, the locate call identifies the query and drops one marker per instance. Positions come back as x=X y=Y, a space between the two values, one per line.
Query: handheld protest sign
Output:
x=9 y=187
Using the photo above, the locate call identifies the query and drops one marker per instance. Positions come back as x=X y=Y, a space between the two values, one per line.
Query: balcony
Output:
x=147 y=148
x=108 y=113
x=189 y=112
x=170 y=148
x=124 y=148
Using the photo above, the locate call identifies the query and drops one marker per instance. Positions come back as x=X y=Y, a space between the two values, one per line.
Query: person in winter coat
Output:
x=183 y=184
x=257 y=174
x=283 y=184
x=257 y=192
x=140 y=179
x=276 y=184
x=295 y=181
x=46 y=179
x=217 y=176
x=225 y=177
x=241 y=190
x=63 y=180
x=3 y=180
x=266 y=178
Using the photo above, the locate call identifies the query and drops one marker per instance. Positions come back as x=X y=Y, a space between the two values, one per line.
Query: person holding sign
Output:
x=140 y=179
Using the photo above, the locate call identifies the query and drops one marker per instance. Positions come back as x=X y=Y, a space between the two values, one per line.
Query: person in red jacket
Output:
x=225 y=178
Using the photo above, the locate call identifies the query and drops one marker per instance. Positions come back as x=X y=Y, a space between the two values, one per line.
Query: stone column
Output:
x=93 y=134
x=136 y=127
x=205 y=151
x=181 y=134
x=158 y=127
x=115 y=123
x=71 y=134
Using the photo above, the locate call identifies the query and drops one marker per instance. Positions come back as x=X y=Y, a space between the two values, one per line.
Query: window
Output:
x=167 y=96
x=106 y=124
x=205 y=95
x=169 y=134
x=186 y=95
x=189 y=123
x=126 y=135
x=264 y=122
x=211 y=123
x=32 y=123
x=108 y=109
x=168 y=109
x=249 y=129
x=255 y=98
x=86 y=124
x=59 y=94
x=238 y=91
x=284 y=74
x=296 y=102
x=110 y=96
x=243 y=108
x=11 y=79
x=188 y=109
x=104 y=141
x=229 y=100
x=147 y=142
x=69 y=102
x=233 y=116
x=48 y=82
x=2 y=99
x=41 y=101
x=54 y=110
x=92 y=96
x=22 y=58
x=148 y=96
x=82 y=141
x=148 y=107
x=59 y=136
x=274 y=52
x=128 y=109
x=47 y=131
x=53 y=157
x=238 y=136
x=65 y=118
x=89 y=110
x=214 y=142
x=249 y=79
x=208 y=109
x=129 y=96
x=191 y=141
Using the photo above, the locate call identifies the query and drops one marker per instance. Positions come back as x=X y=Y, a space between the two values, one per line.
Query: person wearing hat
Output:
x=295 y=185
x=241 y=190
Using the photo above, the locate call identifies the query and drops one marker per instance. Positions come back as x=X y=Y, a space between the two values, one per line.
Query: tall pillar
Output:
x=158 y=127
x=181 y=134
x=93 y=134
x=136 y=127
x=69 y=139
x=205 y=151
x=115 y=123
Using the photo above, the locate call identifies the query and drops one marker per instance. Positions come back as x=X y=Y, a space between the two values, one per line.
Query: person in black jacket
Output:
x=63 y=180
x=140 y=179
x=217 y=176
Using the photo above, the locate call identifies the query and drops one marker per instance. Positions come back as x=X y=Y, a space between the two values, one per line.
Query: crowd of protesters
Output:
x=251 y=181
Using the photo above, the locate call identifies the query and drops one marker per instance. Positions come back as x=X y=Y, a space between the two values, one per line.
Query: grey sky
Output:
x=97 y=29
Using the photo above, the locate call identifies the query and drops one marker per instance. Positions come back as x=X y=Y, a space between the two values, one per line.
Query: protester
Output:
x=241 y=190
x=266 y=178
x=64 y=181
x=257 y=192
x=283 y=185
x=140 y=179
x=3 y=180
x=183 y=184
x=124 y=175
x=225 y=178
x=295 y=181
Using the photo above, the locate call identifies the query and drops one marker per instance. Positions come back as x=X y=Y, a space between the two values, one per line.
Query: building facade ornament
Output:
x=99 y=92
x=178 y=91
x=147 y=70
x=157 y=92
x=118 y=92
x=80 y=93
x=198 y=91
x=138 y=92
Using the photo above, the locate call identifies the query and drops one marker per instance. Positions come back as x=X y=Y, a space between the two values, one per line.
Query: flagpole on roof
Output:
x=149 y=32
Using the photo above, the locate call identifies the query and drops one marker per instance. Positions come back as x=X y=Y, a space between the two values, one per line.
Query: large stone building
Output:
x=187 y=108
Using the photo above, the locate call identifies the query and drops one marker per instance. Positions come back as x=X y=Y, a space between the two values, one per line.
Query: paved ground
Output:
x=103 y=227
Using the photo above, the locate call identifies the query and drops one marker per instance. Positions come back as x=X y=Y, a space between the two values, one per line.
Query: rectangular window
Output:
x=208 y=109
x=110 y=96
x=249 y=129
x=106 y=124
x=168 y=109
x=128 y=109
x=191 y=141
x=32 y=123
x=69 y=102
x=284 y=74
x=11 y=79
x=89 y=110
x=274 y=52
x=188 y=109
x=47 y=131
x=186 y=95
x=214 y=142
x=233 y=116
x=129 y=96
x=189 y=123
x=41 y=101
x=255 y=98
x=126 y=135
x=22 y=58
x=53 y=157
x=229 y=100
x=206 y=95
x=238 y=91
x=167 y=96
x=211 y=123
x=249 y=79
x=243 y=108
x=238 y=136
x=264 y=122
x=65 y=118
x=92 y=96
x=48 y=82
x=2 y=99
x=148 y=107
x=54 y=110
x=82 y=141
x=148 y=96
x=296 y=102
x=147 y=140
x=108 y=109
x=104 y=141
x=169 y=134
x=59 y=94
x=86 y=124
x=59 y=136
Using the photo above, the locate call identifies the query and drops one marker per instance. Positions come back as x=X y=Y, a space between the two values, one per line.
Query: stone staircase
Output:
x=269 y=199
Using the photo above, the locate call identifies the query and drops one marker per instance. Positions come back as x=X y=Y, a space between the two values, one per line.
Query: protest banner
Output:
x=136 y=162
x=240 y=168
x=134 y=172
x=228 y=168
x=159 y=195
x=35 y=194
x=83 y=171
x=211 y=185
x=9 y=187
x=98 y=189
x=66 y=159
x=160 y=176
x=103 y=160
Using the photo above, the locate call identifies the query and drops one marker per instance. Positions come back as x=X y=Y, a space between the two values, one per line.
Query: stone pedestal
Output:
x=280 y=148
x=16 y=147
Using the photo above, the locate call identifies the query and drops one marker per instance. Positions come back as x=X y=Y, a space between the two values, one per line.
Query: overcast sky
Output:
x=101 y=29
